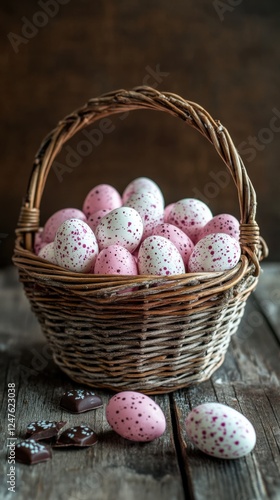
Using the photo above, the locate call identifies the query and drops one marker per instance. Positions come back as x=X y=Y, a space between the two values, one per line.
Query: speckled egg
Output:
x=122 y=226
x=220 y=431
x=167 y=211
x=47 y=253
x=57 y=219
x=135 y=416
x=150 y=209
x=101 y=197
x=159 y=256
x=75 y=246
x=223 y=223
x=190 y=215
x=94 y=219
x=181 y=241
x=141 y=185
x=214 y=252
x=115 y=259
x=38 y=242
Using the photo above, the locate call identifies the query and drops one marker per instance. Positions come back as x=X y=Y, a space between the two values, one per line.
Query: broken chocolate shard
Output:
x=30 y=452
x=80 y=400
x=43 y=429
x=80 y=436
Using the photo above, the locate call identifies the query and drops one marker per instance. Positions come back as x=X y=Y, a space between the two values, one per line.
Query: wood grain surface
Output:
x=226 y=60
x=171 y=467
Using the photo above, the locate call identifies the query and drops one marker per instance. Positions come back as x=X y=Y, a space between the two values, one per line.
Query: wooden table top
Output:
x=169 y=467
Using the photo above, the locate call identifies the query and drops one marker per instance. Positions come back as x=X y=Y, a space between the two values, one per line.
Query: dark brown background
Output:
x=230 y=66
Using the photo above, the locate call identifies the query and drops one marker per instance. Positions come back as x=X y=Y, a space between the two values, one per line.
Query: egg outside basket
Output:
x=147 y=333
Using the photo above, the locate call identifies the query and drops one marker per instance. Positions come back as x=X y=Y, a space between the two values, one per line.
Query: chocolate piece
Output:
x=81 y=436
x=30 y=452
x=80 y=400
x=43 y=429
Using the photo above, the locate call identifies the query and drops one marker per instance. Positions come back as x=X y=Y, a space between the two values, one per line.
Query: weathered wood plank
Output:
x=249 y=382
x=268 y=295
x=115 y=468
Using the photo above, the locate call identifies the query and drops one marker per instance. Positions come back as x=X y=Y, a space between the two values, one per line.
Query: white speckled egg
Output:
x=101 y=197
x=159 y=256
x=75 y=246
x=122 y=226
x=94 y=219
x=57 y=219
x=220 y=431
x=115 y=259
x=150 y=209
x=141 y=185
x=214 y=252
x=135 y=416
x=223 y=223
x=181 y=241
x=47 y=253
x=190 y=215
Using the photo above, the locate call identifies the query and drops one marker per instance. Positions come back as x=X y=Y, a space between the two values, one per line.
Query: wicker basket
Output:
x=147 y=333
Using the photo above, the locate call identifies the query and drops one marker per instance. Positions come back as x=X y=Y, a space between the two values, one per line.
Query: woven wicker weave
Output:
x=147 y=333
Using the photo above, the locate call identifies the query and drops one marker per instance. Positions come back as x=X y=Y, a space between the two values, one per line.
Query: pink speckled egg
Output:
x=94 y=219
x=101 y=197
x=159 y=256
x=75 y=246
x=167 y=211
x=47 y=253
x=141 y=185
x=190 y=215
x=150 y=209
x=214 y=252
x=223 y=223
x=38 y=242
x=122 y=226
x=220 y=431
x=181 y=241
x=57 y=219
x=135 y=416
x=115 y=259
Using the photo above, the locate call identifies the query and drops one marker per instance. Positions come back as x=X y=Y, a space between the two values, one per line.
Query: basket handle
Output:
x=120 y=101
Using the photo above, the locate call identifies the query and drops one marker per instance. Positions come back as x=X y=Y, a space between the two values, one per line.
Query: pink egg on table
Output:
x=181 y=241
x=150 y=209
x=47 y=253
x=159 y=256
x=94 y=219
x=101 y=197
x=190 y=215
x=220 y=431
x=115 y=259
x=122 y=226
x=214 y=252
x=167 y=211
x=223 y=223
x=141 y=185
x=75 y=246
x=57 y=219
x=135 y=416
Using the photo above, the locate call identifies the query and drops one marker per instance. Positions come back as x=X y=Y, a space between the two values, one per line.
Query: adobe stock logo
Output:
x=40 y=19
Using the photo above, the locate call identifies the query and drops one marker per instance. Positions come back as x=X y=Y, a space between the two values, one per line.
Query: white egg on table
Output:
x=159 y=256
x=75 y=246
x=220 y=431
x=214 y=252
x=122 y=226
x=190 y=215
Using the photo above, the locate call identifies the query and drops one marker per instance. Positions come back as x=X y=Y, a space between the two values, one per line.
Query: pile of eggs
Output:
x=137 y=234
x=216 y=429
